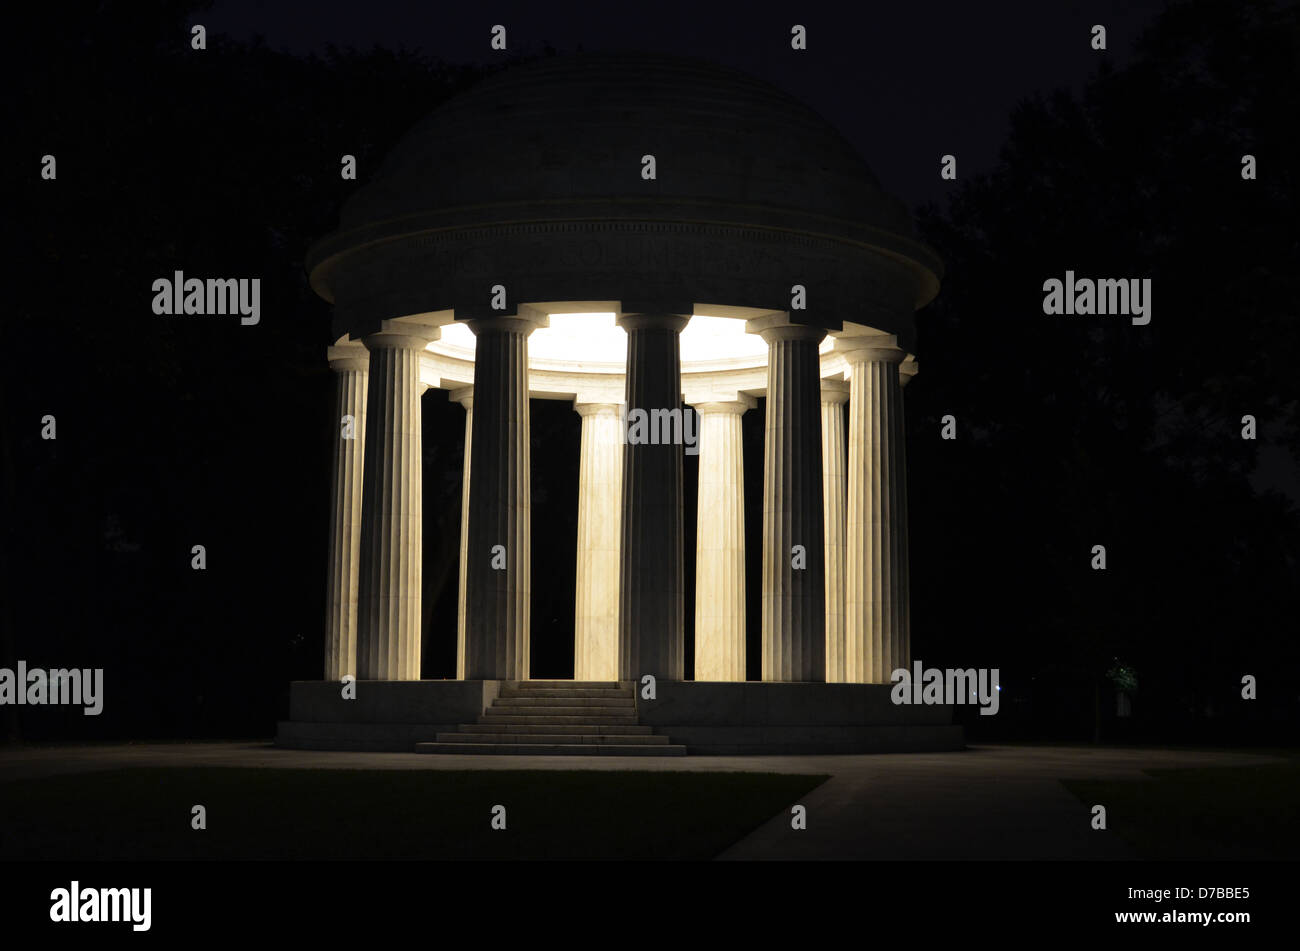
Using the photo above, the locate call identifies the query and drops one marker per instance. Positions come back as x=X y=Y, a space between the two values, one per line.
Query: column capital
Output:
x=773 y=332
x=813 y=335
x=877 y=348
x=906 y=370
x=397 y=340
x=348 y=356
x=584 y=408
x=463 y=395
x=638 y=321
x=738 y=407
x=835 y=391
x=524 y=322
x=779 y=326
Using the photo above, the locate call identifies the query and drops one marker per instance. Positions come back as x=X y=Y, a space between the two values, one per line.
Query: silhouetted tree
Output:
x=1079 y=431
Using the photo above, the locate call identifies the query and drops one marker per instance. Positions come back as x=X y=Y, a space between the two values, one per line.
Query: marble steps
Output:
x=620 y=729
x=558 y=718
x=592 y=693
x=602 y=703
x=596 y=714
x=524 y=749
x=625 y=739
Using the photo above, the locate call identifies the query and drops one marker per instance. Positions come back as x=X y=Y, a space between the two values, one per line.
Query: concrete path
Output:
x=988 y=802
x=993 y=802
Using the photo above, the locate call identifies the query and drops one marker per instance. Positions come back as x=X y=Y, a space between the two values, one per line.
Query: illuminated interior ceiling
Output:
x=591 y=343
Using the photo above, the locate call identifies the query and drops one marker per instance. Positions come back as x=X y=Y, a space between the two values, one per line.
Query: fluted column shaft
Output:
x=391 y=554
x=350 y=364
x=834 y=486
x=876 y=543
x=906 y=372
x=498 y=585
x=466 y=399
x=600 y=505
x=652 y=599
x=720 y=544
x=794 y=598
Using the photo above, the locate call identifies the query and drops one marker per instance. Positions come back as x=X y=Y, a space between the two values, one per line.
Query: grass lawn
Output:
x=387 y=814
x=1239 y=812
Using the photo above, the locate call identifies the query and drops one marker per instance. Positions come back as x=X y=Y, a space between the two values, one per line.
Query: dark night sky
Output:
x=905 y=82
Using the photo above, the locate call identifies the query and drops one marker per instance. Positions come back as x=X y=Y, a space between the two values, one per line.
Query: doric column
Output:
x=906 y=371
x=600 y=506
x=350 y=363
x=465 y=397
x=794 y=585
x=876 y=543
x=388 y=590
x=835 y=393
x=498 y=586
x=720 y=543
x=652 y=599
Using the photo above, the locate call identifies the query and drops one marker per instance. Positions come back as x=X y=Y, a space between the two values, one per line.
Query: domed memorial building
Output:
x=660 y=242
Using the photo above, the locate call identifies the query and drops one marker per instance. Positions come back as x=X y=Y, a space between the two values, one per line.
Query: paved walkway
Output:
x=988 y=802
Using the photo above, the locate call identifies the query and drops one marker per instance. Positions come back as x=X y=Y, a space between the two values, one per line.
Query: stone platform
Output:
x=758 y=718
x=565 y=717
